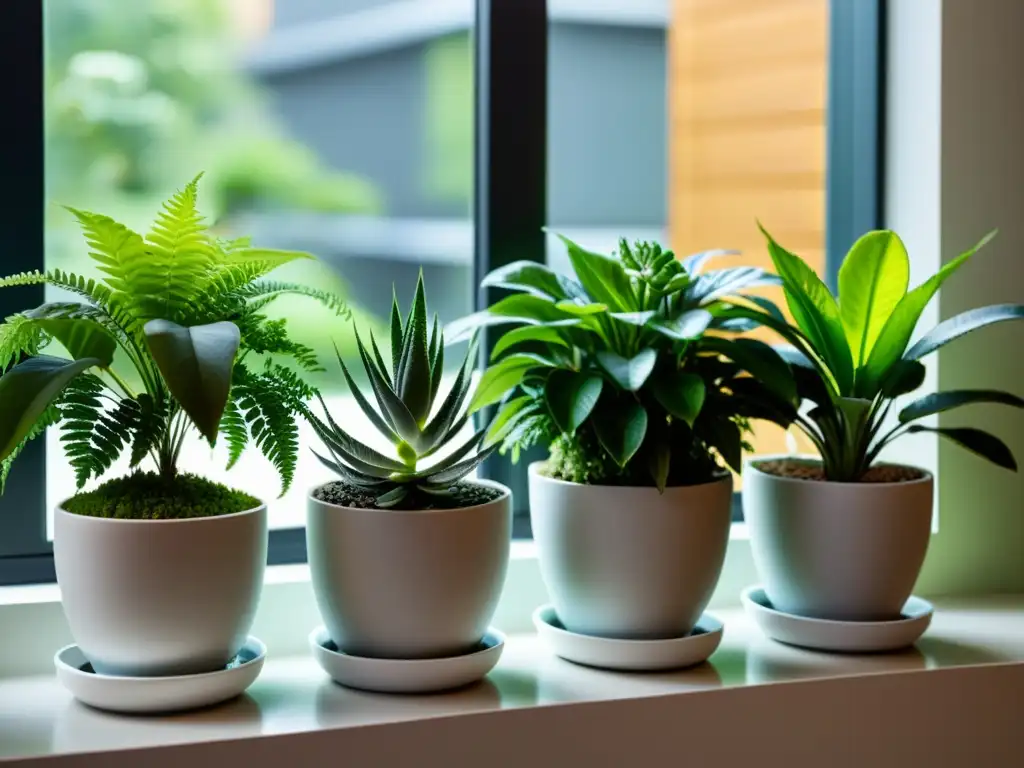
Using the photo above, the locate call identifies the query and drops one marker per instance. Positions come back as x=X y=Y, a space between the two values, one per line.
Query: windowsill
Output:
x=293 y=702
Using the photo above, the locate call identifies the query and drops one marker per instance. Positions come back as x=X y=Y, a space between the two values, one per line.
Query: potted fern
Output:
x=843 y=536
x=160 y=572
x=644 y=414
x=407 y=561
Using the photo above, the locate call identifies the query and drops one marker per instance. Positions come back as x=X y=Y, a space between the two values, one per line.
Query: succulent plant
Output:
x=406 y=393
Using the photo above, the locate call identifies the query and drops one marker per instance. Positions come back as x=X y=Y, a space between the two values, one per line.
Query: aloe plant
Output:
x=406 y=392
x=853 y=357
x=170 y=337
x=613 y=369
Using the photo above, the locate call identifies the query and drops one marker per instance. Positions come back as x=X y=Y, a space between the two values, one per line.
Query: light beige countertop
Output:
x=38 y=718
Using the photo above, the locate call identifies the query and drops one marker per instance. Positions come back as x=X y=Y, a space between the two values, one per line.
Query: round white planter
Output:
x=842 y=551
x=151 y=598
x=629 y=563
x=408 y=584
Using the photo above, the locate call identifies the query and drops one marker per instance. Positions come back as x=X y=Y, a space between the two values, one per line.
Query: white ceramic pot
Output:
x=408 y=584
x=629 y=563
x=842 y=551
x=151 y=598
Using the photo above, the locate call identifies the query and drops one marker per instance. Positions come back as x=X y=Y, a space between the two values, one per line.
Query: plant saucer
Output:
x=629 y=655
x=151 y=695
x=839 y=636
x=406 y=675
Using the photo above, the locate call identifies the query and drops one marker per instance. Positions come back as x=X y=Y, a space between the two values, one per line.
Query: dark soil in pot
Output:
x=148 y=496
x=799 y=469
x=465 y=494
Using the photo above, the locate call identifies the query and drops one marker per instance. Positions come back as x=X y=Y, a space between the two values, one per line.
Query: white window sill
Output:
x=949 y=701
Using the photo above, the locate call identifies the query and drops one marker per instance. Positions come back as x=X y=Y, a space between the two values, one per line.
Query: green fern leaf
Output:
x=89 y=453
x=20 y=336
x=120 y=253
x=232 y=426
x=150 y=426
x=50 y=416
x=262 y=292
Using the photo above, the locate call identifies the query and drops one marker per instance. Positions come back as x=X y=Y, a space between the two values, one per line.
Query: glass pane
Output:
x=341 y=127
x=685 y=121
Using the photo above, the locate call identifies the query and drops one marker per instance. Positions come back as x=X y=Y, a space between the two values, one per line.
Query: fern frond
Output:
x=93 y=438
x=50 y=416
x=232 y=426
x=96 y=293
x=270 y=337
x=20 y=336
x=70 y=310
x=119 y=251
x=150 y=426
x=269 y=402
x=262 y=292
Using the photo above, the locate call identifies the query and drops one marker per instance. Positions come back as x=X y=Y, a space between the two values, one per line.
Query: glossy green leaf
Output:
x=28 y=389
x=938 y=402
x=759 y=360
x=634 y=318
x=659 y=463
x=632 y=373
x=725 y=437
x=681 y=394
x=815 y=311
x=82 y=338
x=621 y=428
x=961 y=324
x=904 y=377
x=392 y=408
x=684 y=326
x=695 y=261
x=892 y=341
x=542 y=334
x=872 y=280
x=602 y=277
x=499 y=378
x=712 y=286
x=506 y=418
x=196 y=363
x=528 y=307
x=975 y=440
x=580 y=308
x=526 y=276
x=571 y=397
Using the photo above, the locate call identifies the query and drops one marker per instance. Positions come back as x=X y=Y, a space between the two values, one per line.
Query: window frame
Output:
x=509 y=204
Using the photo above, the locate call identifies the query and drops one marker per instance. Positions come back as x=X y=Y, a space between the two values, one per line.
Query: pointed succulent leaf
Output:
x=28 y=389
x=392 y=407
x=348 y=474
x=393 y=498
x=196 y=363
x=632 y=373
x=455 y=456
x=939 y=402
x=571 y=397
x=396 y=332
x=415 y=381
x=961 y=324
x=436 y=371
x=335 y=437
x=459 y=470
x=977 y=441
x=379 y=360
x=368 y=410
x=435 y=433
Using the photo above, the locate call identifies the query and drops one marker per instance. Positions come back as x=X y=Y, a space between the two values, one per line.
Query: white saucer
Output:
x=139 y=695
x=629 y=655
x=841 y=636
x=406 y=675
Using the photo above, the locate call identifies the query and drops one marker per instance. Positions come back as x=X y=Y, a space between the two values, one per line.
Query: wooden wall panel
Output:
x=747 y=101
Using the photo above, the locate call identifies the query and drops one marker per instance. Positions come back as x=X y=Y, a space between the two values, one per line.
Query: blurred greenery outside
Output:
x=140 y=96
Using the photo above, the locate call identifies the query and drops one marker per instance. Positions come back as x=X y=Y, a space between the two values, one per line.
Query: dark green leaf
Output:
x=904 y=377
x=368 y=410
x=396 y=333
x=892 y=341
x=602 y=277
x=503 y=376
x=392 y=408
x=681 y=394
x=27 y=390
x=659 y=463
x=939 y=402
x=196 y=364
x=975 y=440
x=82 y=338
x=872 y=280
x=414 y=384
x=725 y=437
x=506 y=418
x=621 y=428
x=571 y=397
x=759 y=360
x=382 y=367
x=684 y=326
x=633 y=318
x=961 y=324
x=632 y=373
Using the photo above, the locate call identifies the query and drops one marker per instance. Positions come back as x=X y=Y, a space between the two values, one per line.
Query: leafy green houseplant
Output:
x=451 y=535
x=852 y=357
x=644 y=395
x=171 y=337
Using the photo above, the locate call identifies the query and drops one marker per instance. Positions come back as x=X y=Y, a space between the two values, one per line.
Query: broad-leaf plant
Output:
x=852 y=356
x=171 y=336
x=406 y=392
x=624 y=369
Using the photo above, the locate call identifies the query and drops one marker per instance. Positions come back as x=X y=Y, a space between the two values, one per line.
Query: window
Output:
x=347 y=129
